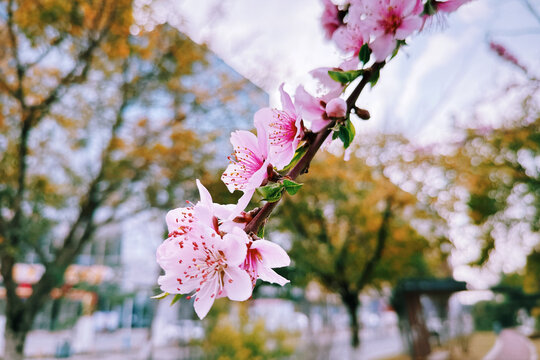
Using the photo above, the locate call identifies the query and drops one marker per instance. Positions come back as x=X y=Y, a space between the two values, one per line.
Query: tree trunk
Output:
x=14 y=344
x=351 y=303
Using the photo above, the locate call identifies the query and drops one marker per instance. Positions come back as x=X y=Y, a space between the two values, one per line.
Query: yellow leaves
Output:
x=117 y=144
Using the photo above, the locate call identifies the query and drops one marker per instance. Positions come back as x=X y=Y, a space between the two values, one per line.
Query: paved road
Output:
x=323 y=345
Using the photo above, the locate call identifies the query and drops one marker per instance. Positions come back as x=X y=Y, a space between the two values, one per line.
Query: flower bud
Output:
x=336 y=108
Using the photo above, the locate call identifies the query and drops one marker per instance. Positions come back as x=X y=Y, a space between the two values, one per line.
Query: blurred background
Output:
x=424 y=244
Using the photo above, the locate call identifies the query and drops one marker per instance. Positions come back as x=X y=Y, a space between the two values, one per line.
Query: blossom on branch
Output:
x=283 y=128
x=449 y=5
x=249 y=164
x=387 y=21
x=205 y=265
x=262 y=256
x=331 y=18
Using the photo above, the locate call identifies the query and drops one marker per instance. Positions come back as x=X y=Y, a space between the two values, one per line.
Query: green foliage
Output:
x=364 y=54
x=291 y=187
x=345 y=133
x=482 y=206
x=341 y=233
x=345 y=77
x=271 y=192
x=176 y=298
x=243 y=339
x=487 y=314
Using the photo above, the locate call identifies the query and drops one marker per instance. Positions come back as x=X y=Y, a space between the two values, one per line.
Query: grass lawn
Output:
x=479 y=346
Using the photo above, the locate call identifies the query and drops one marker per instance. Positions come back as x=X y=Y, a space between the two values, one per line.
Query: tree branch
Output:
x=33 y=114
x=19 y=92
x=302 y=165
x=532 y=9
x=94 y=197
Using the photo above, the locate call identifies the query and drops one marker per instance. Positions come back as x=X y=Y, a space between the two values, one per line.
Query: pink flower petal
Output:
x=408 y=26
x=206 y=198
x=450 y=5
x=242 y=202
x=244 y=139
x=286 y=102
x=167 y=253
x=237 y=284
x=349 y=64
x=234 y=246
x=205 y=298
x=178 y=217
x=271 y=276
x=383 y=46
x=272 y=254
x=336 y=108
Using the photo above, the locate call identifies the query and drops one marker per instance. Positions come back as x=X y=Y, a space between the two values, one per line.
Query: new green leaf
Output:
x=344 y=77
x=291 y=187
x=271 y=192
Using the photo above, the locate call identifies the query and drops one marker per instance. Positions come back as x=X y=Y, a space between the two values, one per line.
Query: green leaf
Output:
x=291 y=187
x=260 y=233
x=364 y=54
x=345 y=77
x=374 y=77
x=161 y=296
x=176 y=298
x=400 y=43
x=271 y=192
x=297 y=156
x=429 y=8
x=346 y=133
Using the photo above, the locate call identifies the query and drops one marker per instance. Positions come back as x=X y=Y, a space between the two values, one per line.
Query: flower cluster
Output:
x=379 y=24
x=208 y=255
x=212 y=250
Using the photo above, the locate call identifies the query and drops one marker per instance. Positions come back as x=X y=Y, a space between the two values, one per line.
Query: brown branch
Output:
x=19 y=93
x=33 y=114
x=302 y=165
x=94 y=198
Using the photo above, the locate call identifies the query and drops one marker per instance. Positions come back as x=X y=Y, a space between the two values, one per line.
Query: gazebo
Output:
x=406 y=301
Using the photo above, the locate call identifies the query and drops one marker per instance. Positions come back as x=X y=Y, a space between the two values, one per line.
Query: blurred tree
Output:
x=354 y=228
x=91 y=133
x=497 y=162
x=499 y=168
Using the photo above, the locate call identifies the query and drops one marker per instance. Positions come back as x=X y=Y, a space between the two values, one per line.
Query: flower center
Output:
x=284 y=127
x=391 y=21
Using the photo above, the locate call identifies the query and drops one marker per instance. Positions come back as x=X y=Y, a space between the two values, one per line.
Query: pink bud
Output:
x=336 y=108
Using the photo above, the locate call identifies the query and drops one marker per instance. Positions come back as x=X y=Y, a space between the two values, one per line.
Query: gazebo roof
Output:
x=430 y=286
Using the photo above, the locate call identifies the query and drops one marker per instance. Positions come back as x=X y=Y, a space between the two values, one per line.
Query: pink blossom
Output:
x=328 y=87
x=283 y=128
x=449 y=5
x=180 y=220
x=387 y=21
x=262 y=256
x=336 y=108
x=249 y=164
x=313 y=109
x=350 y=38
x=206 y=266
x=330 y=19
